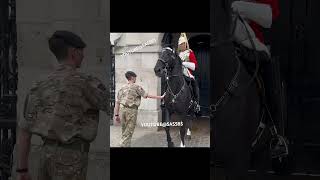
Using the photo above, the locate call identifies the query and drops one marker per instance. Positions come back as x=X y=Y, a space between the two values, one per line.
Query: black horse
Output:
x=238 y=107
x=237 y=100
x=178 y=97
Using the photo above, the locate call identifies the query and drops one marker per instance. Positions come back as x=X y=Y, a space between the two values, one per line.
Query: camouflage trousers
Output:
x=128 y=117
x=60 y=163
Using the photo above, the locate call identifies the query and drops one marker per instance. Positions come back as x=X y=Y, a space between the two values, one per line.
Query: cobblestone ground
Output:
x=151 y=137
x=218 y=174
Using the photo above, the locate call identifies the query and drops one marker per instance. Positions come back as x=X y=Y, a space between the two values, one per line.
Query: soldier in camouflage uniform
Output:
x=64 y=110
x=128 y=101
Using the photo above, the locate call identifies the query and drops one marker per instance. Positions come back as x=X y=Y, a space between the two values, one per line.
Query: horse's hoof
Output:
x=188 y=137
x=182 y=145
x=170 y=144
x=188 y=132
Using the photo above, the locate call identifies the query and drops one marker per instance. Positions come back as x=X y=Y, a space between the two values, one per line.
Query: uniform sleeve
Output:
x=119 y=95
x=193 y=59
x=97 y=94
x=30 y=108
x=23 y=124
x=141 y=92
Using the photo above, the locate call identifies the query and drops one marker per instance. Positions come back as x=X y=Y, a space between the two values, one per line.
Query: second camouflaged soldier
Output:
x=64 y=110
x=128 y=101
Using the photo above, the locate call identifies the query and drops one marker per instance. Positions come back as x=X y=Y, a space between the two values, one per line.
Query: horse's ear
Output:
x=167 y=40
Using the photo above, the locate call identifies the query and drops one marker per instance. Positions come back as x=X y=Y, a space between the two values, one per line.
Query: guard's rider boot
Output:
x=271 y=76
x=195 y=93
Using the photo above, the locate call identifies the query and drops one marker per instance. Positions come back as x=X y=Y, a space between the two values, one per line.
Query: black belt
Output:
x=130 y=107
x=76 y=145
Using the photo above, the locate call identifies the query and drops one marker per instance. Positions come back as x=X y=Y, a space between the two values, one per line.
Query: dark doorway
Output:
x=295 y=39
x=200 y=45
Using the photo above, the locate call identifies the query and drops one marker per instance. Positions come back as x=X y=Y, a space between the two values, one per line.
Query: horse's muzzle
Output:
x=158 y=71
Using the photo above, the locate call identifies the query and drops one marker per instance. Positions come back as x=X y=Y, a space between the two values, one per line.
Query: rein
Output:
x=167 y=77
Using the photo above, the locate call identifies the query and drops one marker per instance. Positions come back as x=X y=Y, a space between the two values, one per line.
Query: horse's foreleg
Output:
x=183 y=132
x=167 y=128
x=189 y=127
x=170 y=143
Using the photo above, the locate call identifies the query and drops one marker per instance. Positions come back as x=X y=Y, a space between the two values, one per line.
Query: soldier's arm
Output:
x=193 y=59
x=155 y=97
x=117 y=105
x=97 y=94
x=143 y=94
x=23 y=143
x=23 y=138
x=189 y=65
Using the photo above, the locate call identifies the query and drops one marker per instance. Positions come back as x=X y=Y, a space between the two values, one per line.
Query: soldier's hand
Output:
x=163 y=95
x=23 y=176
x=117 y=119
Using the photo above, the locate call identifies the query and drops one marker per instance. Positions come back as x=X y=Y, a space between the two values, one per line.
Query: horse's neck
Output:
x=176 y=80
x=224 y=64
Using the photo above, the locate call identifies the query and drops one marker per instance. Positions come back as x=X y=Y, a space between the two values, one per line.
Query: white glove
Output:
x=257 y=12
x=184 y=55
x=189 y=65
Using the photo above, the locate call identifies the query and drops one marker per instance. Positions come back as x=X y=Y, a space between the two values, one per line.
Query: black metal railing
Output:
x=112 y=85
x=8 y=85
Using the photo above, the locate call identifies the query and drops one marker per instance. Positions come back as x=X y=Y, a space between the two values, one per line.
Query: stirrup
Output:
x=279 y=147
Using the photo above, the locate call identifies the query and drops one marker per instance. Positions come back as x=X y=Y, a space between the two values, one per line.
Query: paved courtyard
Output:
x=219 y=174
x=151 y=137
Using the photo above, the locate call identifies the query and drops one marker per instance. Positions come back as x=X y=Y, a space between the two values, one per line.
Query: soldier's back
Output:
x=130 y=95
x=58 y=108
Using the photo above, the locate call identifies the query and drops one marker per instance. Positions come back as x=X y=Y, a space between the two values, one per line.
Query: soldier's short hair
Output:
x=130 y=74
x=60 y=41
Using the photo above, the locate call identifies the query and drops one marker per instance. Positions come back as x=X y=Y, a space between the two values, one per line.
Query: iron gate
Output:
x=8 y=85
x=295 y=40
x=112 y=84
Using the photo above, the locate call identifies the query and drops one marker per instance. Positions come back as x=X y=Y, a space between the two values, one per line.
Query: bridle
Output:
x=278 y=144
x=234 y=82
x=167 y=76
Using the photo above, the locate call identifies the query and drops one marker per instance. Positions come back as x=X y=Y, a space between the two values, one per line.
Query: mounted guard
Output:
x=189 y=64
x=249 y=17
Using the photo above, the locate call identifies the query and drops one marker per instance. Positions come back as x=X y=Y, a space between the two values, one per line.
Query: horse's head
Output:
x=167 y=61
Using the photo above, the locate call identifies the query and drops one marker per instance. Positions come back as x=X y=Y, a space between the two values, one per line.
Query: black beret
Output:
x=70 y=38
x=130 y=73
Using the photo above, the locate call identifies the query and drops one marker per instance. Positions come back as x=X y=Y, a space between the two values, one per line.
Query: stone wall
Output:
x=142 y=62
x=36 y=21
